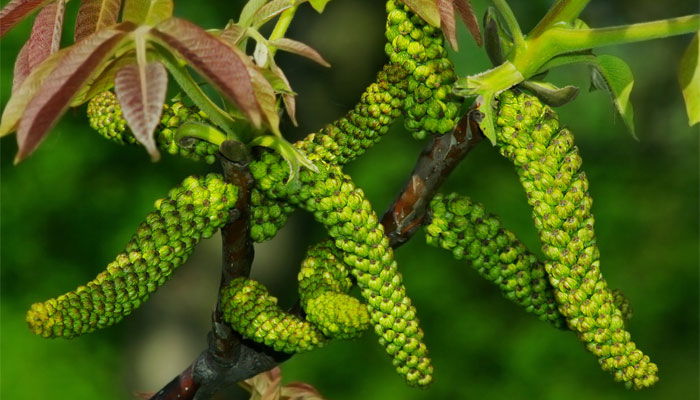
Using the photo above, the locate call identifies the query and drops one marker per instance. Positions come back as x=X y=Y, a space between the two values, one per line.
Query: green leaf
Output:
x=149 y=12
x=246 y=17
x=689 y=78
x=294 y=158
x=426 y=9
x=319 y=5
x=485 y=117
x=550 y=94
x=615 y=76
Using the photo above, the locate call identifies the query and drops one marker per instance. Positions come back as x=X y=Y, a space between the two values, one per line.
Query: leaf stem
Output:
x=282 y=25
x=201 y=131
x=512 y=22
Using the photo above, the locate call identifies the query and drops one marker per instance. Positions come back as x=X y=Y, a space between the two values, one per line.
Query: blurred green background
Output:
x=68 y=209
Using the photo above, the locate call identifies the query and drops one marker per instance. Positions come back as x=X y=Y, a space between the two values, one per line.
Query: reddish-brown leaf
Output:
x=465 y=10
x=16 y=11
x=447 y=21
x=265 y=96
x=426 y=9
x=43 y=41
x=219 y=63
x=270 y=10
x=141 y=92
x=65 y=80
x=102 y=80
x=299 y=48
x=22 y=69
x=95 y=15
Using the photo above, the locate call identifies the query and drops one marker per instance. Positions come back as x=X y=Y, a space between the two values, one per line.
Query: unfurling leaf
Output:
x=492 y=37
x=56 y=91
x=288 y=98
x=148 y=12
x=465 y=10
x=299 y=48
x=265 y=95
x=689 y=78
x=44 y=40
x=613 y=75
x=17 y=10
x=550 y=94
x=95 y=15
x=270 y=11
x=447 y=22
x=294 y=158
x=141 y=92
x=222 y=65
x=426 y=9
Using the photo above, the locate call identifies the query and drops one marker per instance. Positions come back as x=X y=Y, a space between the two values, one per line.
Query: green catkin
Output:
x=192 y=211
x=342 y=208
x=254 y=313
x=417 y=47
x=323 y=283
x=464 y=228
x=549 y=167
x=105 y=116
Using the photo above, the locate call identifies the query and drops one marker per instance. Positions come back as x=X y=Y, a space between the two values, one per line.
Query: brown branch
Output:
x=230 y=358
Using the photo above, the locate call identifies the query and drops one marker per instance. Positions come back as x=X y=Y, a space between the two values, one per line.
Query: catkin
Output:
x=254 y=313
x=105 y=116
x=549 y=167
x=342 y=208
x=323 y=283
x=192 y=211
x=464 y=228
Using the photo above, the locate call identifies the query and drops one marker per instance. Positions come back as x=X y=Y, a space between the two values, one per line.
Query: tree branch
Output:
x=230 y=358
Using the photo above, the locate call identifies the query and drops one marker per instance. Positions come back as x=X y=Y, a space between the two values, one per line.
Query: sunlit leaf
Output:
x=426 y=9
x=233 y=34
x=689 y=78
x=220 y=64
x=25 y=93
x=447 y=22
x=95 y=15
x=60 y=86
x=141 y=92
x=265 y=95
x=319 y=5
x=299 y=48
x=465 y=10
x=270 y=11
x=17 y=10
x=613 y=75
x=148 y=12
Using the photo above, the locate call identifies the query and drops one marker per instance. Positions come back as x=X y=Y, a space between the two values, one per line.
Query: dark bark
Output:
x=229 y=358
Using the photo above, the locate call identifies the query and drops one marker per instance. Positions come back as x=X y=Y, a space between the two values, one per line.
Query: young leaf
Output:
x=265 y=95
x=465 y=10
x=233 y=34
x=615 y=76
x=148 y=12
x=141 y=92
x=102 y=80
x=25 y=93
x=270 y=11
x=689 y=78
x=62 y=83
x=447 y=21
x=426 y=9
x=492 y=37
x=43 y=41
x=299 y=48
x=219 y=63
x=249 y=10
x=16 y=11
x=550 y=94
x=95 y=15
x=288 y=98
x=319 y=5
